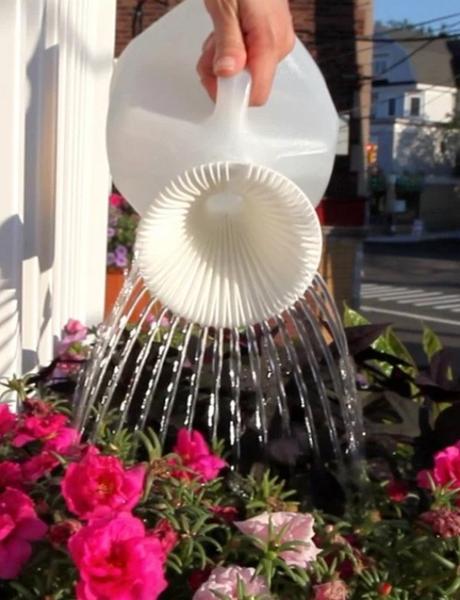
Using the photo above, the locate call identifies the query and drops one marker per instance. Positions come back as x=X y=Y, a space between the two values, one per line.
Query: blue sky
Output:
x=414 y=10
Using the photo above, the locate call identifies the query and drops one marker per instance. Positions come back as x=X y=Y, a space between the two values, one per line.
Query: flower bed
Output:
x=128 y=520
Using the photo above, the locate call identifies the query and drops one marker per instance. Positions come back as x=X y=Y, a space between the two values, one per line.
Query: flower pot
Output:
x=114 y=282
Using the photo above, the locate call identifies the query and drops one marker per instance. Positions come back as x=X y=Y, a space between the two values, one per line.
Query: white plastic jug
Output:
x=229 y=235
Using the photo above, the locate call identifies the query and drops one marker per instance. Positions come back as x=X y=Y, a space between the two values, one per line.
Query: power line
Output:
x=355 y=51
x=422 y=23
x=401 y=61
x=338 y=34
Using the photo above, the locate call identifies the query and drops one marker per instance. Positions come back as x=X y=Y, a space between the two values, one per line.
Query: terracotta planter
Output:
x=113 y=285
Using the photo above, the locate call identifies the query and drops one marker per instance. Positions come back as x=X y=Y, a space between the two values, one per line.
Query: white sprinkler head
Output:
x=229 y=244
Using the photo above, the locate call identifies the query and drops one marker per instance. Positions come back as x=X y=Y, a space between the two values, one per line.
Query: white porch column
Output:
x=55 y=66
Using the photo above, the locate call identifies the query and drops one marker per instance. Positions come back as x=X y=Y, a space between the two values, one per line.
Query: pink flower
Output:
x=38 y=466
x=286 y=527
x=7 y=419
x=116 y=200
x=99 y=485
x=60 y=533
x=117 y=560
x=195 y=455
x=73 y=332
x=223 y=582
x=332 y=590
x=226 y=513
x=10 y=474
x=446 y=470
x=38 y=407
x=397 y=491
x=443 y=521
x=166 y=535
x=34 y=427
x=19 y=525
x=64 y=441
x=76 y=329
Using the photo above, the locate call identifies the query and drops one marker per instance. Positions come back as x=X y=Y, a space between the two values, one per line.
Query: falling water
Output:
x=289 y=378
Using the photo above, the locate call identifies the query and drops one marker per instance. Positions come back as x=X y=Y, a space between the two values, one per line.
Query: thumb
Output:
x=230 y=50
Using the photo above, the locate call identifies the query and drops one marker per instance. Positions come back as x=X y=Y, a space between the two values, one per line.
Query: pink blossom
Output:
x=99 y=485
x=7 y=419
x=37 y=466
x=224 y=581
x=446 y=470
x=73 y=332
x=397 y=491
x=196 y=456
x=34 y=427
x=443 y=521
x=226 y=513
x=332 y=590
x=64 y=441
x=166 y=535
x=60 y=533
x=116 y=200
x=37 y=407
x=10 y=474
x=286 y=527
x=116 y=560
x=19 y=525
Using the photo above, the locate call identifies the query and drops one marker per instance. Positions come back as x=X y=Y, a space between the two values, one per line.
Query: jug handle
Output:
x=232 y=100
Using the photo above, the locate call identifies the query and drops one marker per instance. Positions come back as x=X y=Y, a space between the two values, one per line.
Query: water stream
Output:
x=290 y=378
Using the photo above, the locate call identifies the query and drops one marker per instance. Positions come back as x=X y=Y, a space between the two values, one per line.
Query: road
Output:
x=414 y=282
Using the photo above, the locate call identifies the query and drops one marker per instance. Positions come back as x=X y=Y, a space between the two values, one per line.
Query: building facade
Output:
x=413 y=132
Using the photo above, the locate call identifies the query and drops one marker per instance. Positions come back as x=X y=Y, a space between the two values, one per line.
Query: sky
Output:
x=414 y=10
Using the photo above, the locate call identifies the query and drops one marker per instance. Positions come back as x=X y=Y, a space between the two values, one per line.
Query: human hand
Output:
x=256 y=34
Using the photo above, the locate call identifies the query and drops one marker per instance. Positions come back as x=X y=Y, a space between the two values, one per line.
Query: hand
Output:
x=256 y=34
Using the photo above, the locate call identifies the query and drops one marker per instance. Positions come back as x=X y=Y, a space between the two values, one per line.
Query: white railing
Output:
x=55 y=66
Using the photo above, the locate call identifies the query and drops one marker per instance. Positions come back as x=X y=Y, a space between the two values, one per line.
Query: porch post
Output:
x=56 y=59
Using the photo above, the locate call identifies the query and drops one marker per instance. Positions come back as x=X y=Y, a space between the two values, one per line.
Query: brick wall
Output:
x=328 y=29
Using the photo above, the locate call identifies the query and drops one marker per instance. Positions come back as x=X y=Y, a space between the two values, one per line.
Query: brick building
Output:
x=330 y=29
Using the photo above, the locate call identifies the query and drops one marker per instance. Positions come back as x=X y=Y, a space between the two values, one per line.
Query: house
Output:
x=414 y=104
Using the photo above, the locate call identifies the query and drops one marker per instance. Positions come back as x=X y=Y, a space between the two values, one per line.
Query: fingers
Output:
x=269 y=38
x=262 y=63
x=253 y=33
x=230 y=49
x=205 y=67
x=224 y=51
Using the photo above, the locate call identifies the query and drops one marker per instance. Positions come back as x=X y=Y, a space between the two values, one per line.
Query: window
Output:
x=415 y=105
x=392 y=107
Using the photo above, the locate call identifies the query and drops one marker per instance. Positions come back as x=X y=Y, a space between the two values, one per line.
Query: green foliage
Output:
x=431 y=342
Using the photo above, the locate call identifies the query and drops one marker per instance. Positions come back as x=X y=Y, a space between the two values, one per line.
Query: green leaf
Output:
x=431 y=342
x=351 y=317
x=395 y=346
x=22 y=590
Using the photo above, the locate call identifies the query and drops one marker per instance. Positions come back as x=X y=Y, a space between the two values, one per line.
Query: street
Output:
x=413 y=282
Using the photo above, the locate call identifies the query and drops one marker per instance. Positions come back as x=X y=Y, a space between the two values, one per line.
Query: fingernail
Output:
x=226 y=63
